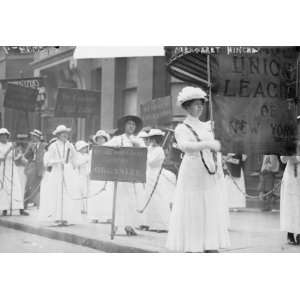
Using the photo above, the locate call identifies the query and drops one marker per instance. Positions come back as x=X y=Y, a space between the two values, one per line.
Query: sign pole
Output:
x=12 y=181
x=112 y=232
x=62 y=190
x=209 y=94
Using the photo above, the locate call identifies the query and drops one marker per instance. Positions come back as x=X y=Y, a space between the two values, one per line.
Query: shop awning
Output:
x=189 y=65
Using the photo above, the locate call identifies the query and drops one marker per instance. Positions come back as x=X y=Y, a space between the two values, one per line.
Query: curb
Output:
x=100 y=245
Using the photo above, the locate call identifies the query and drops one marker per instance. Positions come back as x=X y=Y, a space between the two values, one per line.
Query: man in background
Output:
x=270 y=167
x=34 y=169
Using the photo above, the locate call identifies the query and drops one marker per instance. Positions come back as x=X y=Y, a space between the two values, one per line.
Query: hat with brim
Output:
x=36 y=133
x=101 y=133
x=81 y=145
x=4 y=131
x=60 y=129
x=122 y=122
x=190 y=93
x=142 y=134
x=156 y=132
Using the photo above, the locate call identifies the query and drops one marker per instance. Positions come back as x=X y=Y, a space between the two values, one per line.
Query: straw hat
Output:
x=60 y=129
x=36 y=133
x=142 y=134
x=156 y=132
x=80 y=145
x=190 y=93
x=100 y=133
x=137 y=120
x=4 y=131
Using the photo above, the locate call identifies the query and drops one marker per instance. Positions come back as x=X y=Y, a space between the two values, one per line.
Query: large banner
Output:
x=251 y=111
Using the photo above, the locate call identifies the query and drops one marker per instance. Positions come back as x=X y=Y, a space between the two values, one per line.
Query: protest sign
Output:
x=157 y=112
x=77 y=103
x=20 y=98
x=124 y=164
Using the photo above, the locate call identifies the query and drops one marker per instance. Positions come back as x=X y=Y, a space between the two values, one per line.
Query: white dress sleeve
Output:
x=52 y=158
x=155 y=157
x=114 y=142
x=186 y=141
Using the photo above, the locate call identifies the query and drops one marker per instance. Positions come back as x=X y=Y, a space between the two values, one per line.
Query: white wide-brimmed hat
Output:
x=156 y=132
x=100 y=133
x=80 y=145
x=142 y=134
x=190 y=93
x=37 y=133
x=4 y=131
x=60 y=129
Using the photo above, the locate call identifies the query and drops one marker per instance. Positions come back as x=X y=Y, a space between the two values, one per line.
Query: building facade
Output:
x=15 y=65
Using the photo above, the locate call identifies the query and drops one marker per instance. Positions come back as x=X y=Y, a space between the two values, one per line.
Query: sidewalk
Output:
x=250 y=231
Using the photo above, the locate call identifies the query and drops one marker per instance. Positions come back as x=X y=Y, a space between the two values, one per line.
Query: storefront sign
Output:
x=125 y=164
x=77 y=103
x=32 y=82
x=251 y=111
x=19 y=50
x=157 y=112
x=20 y=98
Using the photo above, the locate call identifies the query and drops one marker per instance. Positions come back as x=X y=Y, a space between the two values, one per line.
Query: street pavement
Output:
x=12 y=241
x=251 y=231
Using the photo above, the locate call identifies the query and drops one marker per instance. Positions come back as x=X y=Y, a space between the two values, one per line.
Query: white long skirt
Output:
x=100 y=203
x=197 y=221
x=290 y=203
x=84 y=186
x=236 y=198
x=127 y=205
x=60 y=196
x=9 y=187
x=158 y=210
x=22 y=177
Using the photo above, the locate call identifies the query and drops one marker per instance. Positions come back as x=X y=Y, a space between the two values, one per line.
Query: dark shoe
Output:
x=291 y=238
x=161 y=231
x=266 y=209
x=130 y=231
x=4 y=213
x=298 y=239
x=211 y=251
x=23 y=212
x=143 y=227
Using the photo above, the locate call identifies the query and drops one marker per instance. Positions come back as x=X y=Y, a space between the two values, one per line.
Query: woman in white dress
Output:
x=290 y=199
x=48 y=207
x=83 y=171
x=197 y=222
x=21 y=162
x=101 y=192
x=62 y=195
x=129 y=195
x=11 y=196
x=235 y=180
x=159 y=187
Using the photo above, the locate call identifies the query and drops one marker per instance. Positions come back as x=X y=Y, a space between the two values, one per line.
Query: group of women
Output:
x=193 y=207
x=67 y=190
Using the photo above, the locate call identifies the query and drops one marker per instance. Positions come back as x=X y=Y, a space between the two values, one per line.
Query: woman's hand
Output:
x=214 y=145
